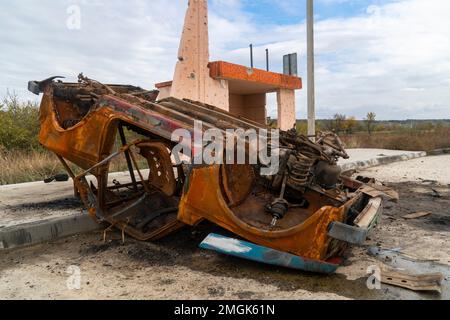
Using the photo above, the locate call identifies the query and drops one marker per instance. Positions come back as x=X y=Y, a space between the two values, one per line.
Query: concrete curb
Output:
x=45 y=231
x=358 y=165
x=438 y=152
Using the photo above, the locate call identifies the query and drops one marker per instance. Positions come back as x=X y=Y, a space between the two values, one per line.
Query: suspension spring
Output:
x=300 y=171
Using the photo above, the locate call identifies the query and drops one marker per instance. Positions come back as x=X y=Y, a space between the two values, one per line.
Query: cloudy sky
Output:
x=387 y=56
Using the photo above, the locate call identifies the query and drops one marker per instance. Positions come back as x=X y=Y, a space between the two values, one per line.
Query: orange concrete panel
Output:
x=229 y=71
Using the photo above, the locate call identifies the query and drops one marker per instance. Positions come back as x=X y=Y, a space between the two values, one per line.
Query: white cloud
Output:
x=119 y=41
x=372 y=60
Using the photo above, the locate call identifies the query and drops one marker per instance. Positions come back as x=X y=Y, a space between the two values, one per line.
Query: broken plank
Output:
x=421 y=282
x=417 y=215
x=367 y=216
x=375 y=191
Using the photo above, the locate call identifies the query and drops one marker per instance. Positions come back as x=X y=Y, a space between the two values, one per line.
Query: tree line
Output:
x=349 y=125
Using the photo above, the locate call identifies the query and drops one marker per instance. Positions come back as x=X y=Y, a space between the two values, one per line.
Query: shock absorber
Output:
x=279 y=207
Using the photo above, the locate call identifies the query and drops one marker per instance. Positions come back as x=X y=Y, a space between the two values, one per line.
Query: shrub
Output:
x=19 y=124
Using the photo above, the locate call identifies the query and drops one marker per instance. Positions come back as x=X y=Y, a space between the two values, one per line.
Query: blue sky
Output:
x=387 y=56
x=290 y=12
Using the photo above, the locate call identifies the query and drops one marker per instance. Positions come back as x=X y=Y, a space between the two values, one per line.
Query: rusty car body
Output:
x=306 y=210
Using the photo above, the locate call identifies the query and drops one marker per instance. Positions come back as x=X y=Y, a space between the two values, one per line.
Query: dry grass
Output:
x=409 y=140
x=20 y=166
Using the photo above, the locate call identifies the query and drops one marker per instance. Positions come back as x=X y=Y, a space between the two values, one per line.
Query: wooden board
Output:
x=424 y=282
x=370 y=213
x=417 y=215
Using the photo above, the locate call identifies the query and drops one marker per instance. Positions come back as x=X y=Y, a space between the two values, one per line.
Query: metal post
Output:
x=311 y=84
x=267 y=59
x=128 y=158
x=251 y=55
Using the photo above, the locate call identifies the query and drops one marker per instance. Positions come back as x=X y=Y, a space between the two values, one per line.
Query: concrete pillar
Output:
x=191 y=78
x=286 y=109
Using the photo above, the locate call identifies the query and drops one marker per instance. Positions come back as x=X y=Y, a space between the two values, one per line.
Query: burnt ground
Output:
x=175 y=268
x=427 y=197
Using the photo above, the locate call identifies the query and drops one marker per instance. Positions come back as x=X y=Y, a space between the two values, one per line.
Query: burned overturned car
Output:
x=303 y=216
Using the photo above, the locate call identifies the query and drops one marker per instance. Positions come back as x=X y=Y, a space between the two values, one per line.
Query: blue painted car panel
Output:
x=253 y=252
